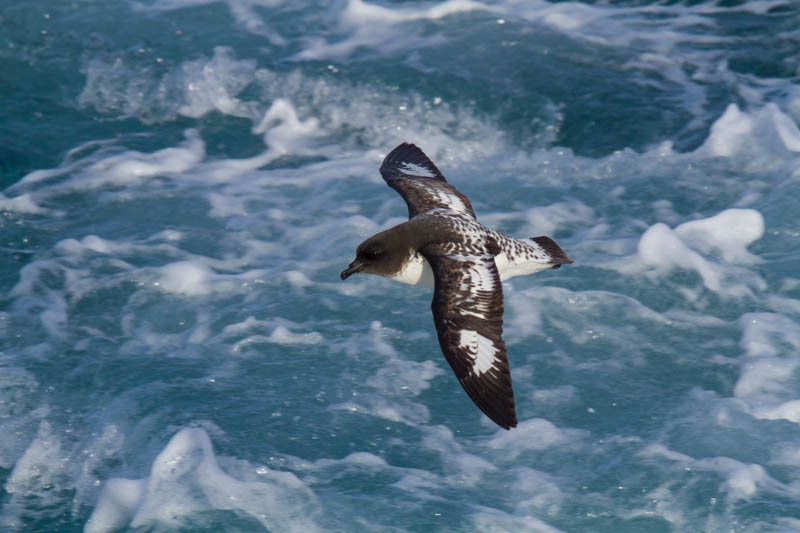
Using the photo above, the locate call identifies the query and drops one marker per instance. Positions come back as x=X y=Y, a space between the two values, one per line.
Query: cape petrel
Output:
x=444 y=246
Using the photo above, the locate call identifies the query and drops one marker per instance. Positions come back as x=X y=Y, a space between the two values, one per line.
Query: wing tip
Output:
x=498 y=406
x=505 y=419
x=507 y=425
x=407 y=152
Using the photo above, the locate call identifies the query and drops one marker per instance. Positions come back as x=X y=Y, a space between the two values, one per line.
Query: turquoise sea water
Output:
x=181 y=182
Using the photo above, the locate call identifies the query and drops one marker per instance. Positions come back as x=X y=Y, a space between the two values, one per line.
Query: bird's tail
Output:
x=557 y=255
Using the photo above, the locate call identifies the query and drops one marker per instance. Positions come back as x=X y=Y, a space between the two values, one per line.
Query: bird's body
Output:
x=444 y=246
x=517 y=257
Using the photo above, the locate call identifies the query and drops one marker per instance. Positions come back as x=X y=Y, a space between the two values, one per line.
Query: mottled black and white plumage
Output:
x=443 y=245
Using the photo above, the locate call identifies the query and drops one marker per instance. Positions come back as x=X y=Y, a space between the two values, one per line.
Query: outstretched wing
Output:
x=409 y=171
x=468 y=313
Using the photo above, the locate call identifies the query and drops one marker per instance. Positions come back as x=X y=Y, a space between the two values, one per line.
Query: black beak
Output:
x=355 y=266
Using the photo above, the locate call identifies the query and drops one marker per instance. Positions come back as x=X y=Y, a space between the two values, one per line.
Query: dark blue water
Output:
x=181 y=182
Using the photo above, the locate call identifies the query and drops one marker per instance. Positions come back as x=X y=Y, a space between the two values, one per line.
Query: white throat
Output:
x=415 y=271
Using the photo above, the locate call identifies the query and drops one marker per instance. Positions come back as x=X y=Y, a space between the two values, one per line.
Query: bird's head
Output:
x=373 y=256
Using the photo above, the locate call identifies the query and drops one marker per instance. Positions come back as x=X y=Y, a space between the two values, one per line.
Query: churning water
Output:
x=181 y=181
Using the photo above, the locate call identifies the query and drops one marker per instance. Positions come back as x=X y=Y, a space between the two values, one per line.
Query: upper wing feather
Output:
x=468 y=313
x=409 y=171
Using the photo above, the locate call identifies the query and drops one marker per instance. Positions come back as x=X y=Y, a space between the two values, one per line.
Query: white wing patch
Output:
x=481 y=348
x=479 y=276
x=452 y=201
x=479 y=279
x=416 y=170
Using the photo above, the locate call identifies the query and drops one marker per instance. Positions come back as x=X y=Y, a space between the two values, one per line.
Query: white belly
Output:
x=417 y=271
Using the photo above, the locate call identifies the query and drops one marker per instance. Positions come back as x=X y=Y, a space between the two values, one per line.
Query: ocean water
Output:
x=181 y=182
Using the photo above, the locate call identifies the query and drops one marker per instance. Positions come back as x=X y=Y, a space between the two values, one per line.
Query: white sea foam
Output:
x=740 y=480
x=771 y=345
x=463 y=467
x=117 y=505
x=212 y=85
x=18 y=409
x=672 y=49
x=225 y=206
x=728 y=133
x=535 y=434
x=186 y=479
x=192 y=89
x=487 y=519
x=281 y=335
x=564 y=394
x=51 y=464
x=523 y=314
x=134 y=167
x=130 y=168
x=728 y=233
x=242 y=11
x=405 y=378
x=659 y=247
x=41 y=463
x=579 y=316
x=737 y=132
x=394 y=386
x=290 y=133
x=41 y=466
x=299 y=110
x=536 y=490
x=20 y=204
x=371 y=25
x=186 y=277
x=545 y=220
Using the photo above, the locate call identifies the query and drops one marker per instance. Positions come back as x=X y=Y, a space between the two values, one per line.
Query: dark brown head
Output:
x=382 y=254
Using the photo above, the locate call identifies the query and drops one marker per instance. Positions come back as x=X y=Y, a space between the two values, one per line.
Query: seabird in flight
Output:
x=444 y=246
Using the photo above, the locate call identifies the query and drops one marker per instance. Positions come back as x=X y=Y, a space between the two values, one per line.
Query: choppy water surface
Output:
x=183 y=180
